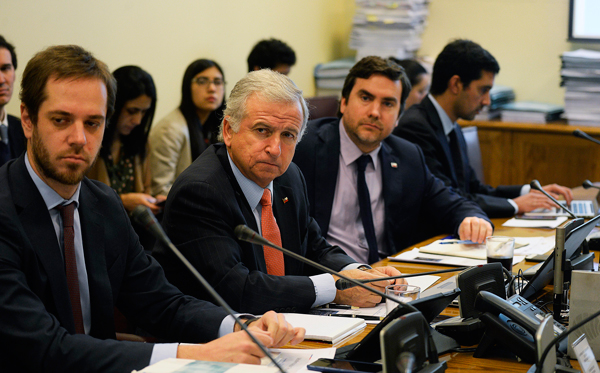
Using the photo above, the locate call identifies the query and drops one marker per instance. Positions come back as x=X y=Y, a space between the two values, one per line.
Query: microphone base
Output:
x=433 y=368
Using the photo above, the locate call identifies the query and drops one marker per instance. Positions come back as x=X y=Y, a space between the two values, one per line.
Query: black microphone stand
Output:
x=143 y=216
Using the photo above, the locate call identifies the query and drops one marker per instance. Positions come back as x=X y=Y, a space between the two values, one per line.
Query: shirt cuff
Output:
x=525 y=189
x=162 y=351
x=324 y=289
x=514 y=205
x=228 y=323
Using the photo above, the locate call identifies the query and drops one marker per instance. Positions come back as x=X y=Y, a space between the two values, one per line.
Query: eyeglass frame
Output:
x=205 y=82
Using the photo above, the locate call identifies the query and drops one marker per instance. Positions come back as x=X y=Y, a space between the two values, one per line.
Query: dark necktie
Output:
x=66 y=212
x=4 y=148
x=270 y=231
x=364 y=202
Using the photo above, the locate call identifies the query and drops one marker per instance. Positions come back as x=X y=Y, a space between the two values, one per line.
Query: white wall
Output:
x=163 y=37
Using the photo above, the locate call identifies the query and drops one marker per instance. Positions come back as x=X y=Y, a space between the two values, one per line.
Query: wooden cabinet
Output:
x=516 y=153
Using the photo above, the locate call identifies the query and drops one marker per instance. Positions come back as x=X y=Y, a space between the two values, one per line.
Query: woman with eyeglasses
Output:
x=181 y=136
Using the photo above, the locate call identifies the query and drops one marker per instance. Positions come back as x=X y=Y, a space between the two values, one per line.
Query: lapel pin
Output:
x=285 y=200
x=394 y=165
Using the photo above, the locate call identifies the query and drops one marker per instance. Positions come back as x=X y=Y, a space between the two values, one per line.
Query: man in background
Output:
x=370 y=192
x=250 y=180
x=463 y=75
x=12 y=140
x=68 y=253
x=272 y=54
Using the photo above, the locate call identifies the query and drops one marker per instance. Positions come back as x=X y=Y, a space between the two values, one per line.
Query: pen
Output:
x=364 y=317
x=464 y=242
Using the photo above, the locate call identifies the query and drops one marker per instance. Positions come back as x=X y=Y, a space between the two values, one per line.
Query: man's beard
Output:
x=41 y=155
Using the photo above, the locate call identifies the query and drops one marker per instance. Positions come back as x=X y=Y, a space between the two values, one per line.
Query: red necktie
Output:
x=66 y=212
x=270 y=231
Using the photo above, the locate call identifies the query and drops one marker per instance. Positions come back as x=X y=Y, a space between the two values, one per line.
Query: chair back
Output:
x=322 y=106
x=474 y=151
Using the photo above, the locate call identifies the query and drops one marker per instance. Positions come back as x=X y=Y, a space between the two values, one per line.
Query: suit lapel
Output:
x=285 y=211
x=36 y=222
x=92 y=232
x=327 y=168
x=392 y=190
x=436 y=123
x=242 y=202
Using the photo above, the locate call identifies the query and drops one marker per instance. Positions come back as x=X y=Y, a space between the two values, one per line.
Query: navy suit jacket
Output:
x=422 y=125
x=203 y=208
x=16 y=139
x=37 y=331
x=417 y=205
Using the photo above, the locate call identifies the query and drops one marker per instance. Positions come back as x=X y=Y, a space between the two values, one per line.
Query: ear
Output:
x=455 y=85
x=26 y=121
x=227 y=131
x=256 y=68
x=343 y=104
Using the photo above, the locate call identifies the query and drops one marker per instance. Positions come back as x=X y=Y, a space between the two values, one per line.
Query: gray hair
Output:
x=269 y=85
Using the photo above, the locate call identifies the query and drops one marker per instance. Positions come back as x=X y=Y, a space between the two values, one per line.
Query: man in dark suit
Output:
x=12 y=140
x=68 y=254
x=463 y=75
x=405 y=204
x=249 y=180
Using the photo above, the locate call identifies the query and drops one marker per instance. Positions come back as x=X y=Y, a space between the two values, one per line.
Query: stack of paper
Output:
x=330 y=76
x=325 y=328
x=581 y=76
x=388 y=27
x=530 y=112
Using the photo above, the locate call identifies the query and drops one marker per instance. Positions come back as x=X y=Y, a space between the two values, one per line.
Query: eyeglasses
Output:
x=204 y=81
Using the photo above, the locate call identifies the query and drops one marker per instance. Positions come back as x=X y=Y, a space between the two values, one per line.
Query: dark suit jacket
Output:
x=417 y=205
x=203 y=208
x=37 y=332
x=16 y=138
x=422 y=125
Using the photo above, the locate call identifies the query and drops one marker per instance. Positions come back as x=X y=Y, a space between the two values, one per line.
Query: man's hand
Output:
x=475 y=229
x=232 y=348
x=280 y=330
x=389 y=271
x=556 y=190
x=358 y=296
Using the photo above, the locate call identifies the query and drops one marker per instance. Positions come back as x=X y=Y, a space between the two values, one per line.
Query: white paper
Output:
x=585 y=355
x=415 y=256
x=296 y=360
x=524 y=223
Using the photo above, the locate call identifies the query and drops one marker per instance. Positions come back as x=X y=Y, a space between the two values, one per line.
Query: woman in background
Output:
x=123 y=163
x=181 y=136
x=419 y=78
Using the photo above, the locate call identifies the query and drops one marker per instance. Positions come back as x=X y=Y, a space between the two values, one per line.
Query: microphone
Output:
x=588 y=184
x=244 y=233
x=583 y=135
x=144 y=217
x=536 y=185
x=406 y=362
x=342 y=284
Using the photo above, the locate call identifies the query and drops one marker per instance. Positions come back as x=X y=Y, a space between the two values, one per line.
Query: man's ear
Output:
x=26 y=121
x=227 y=131
x=455 y=85
x=343 y=104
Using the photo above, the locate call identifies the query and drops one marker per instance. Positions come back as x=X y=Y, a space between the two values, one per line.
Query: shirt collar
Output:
x=5 y=120
x=446 y=121
x=350 y=152
x=51 y=198
x=252 y=191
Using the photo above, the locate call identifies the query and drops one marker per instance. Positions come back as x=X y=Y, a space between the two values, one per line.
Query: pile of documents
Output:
x=530 y=112
x=499 y=95
x=330 y=76
x=388 y=28
x=581 y=77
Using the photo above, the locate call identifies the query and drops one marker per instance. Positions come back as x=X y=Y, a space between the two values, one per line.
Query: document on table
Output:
x=525 y=223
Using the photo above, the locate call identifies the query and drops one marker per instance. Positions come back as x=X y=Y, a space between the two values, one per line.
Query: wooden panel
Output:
x=516 y=153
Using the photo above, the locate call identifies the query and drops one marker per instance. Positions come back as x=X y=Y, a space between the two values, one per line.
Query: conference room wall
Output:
x=527 y=38
x=163 y=37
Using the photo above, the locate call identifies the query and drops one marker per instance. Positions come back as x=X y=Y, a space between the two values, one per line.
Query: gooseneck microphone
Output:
x=588 y=184
x=143 y=216
x=583 y=135
x=243 y=233
x=536 y=185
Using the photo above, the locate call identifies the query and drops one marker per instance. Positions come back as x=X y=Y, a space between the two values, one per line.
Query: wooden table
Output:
x=460 y=362
x=516 y=153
